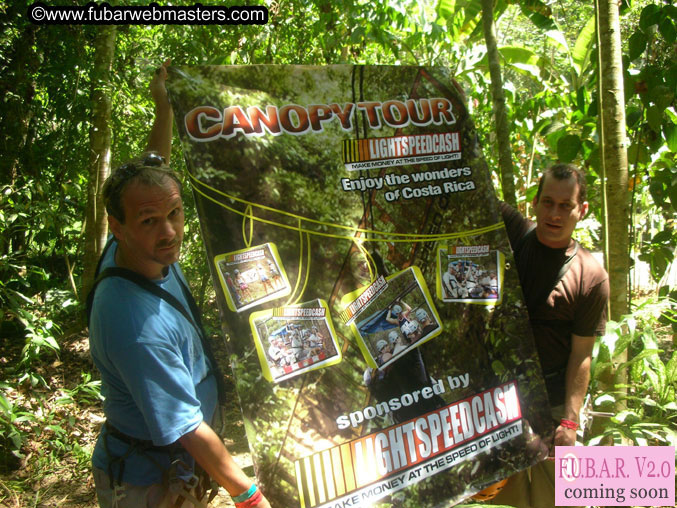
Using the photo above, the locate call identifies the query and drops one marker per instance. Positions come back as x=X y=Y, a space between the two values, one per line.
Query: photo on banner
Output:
x=295 y=339
x=251 y=276
x=469 y=274
x=367 y=183
x=397 y=316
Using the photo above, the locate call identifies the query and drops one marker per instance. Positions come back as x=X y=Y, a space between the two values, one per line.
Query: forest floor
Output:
x=55 y=470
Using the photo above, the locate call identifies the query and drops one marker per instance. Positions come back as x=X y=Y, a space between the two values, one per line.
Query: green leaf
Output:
x=5 y=406
x=636 y=45
x=653 y=378
x=632 y=116
x=667 y=30
x=581 y=101
x=559 y=38
x=541 y=21
x=650 y=16
x=358 y=35
x=671 y=369
x=604 y=398
x=641 y=356
x=627 y=416
x=445 y=8
x=654 y=116
x=531 y=193
x=661 y=96
x=638 y=154
x=518 y=54
x=672 y=193
x=568 y=147
x=498 y=367
x=670 y=10
x=583 y=46
x=670 y=134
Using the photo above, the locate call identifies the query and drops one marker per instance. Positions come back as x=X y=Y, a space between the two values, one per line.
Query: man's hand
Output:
x=157 y=85
x=564 y=436
x=208 y=450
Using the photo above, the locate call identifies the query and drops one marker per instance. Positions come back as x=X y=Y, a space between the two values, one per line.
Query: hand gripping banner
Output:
x=380 y=344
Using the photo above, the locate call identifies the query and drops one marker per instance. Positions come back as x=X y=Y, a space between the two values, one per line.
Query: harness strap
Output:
x=145 y=443
x=139 y=446
x=202 y=482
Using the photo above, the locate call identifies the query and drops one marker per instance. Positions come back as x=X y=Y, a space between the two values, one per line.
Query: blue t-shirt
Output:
x=155 y=376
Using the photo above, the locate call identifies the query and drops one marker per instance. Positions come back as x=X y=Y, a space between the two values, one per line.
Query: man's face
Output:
x=150 y=238
x=558 y=211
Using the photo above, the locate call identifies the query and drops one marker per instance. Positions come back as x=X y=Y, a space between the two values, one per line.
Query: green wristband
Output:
x=245 y=495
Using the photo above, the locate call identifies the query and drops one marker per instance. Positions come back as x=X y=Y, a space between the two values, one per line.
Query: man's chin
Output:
x=552 y=237
x=168 y=256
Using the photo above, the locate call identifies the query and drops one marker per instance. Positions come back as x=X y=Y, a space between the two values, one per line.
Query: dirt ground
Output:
x=55 y=469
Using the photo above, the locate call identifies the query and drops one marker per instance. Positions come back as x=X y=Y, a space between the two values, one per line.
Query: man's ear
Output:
x=584 y=210
x=115 y=226
x=534 y=201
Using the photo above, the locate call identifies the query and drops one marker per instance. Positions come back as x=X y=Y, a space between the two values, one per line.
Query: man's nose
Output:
x=168 y=229
x=557 y=212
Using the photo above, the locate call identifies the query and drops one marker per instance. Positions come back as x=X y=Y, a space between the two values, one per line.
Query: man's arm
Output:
x=390 y=319
x=577 y=378
x=160 y=139
x=209 y=451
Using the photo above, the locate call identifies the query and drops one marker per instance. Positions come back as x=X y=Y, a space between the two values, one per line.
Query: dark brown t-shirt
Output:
x=576 y=305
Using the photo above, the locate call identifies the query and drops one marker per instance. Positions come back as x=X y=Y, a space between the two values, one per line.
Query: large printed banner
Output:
x=380 y=343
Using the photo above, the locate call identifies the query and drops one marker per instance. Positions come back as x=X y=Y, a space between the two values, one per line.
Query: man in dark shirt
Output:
x=566 y=292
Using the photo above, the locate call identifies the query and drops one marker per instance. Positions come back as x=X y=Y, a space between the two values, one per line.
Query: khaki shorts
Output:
x=134 y=496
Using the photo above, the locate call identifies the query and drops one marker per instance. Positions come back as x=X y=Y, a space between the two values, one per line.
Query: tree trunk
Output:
x=502 y=128
x=615 y=157
x=614 y=180
x=99 y=153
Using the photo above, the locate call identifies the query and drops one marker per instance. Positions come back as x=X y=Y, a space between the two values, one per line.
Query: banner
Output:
x=380 y=343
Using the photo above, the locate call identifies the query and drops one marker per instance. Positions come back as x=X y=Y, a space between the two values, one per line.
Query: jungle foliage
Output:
x=548 y=58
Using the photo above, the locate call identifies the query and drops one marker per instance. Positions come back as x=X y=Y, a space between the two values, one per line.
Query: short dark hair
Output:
x=149 y=169
x=564 y=171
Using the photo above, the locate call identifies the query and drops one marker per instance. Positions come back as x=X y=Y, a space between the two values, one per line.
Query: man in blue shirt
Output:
x=160 y=389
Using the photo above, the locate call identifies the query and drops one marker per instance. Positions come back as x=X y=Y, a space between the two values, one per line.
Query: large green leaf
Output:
x=661 y=95
x=632 y=115
x=538 y=12
x=651 y=15
x=518 y=54
x=522 y=60
x=559 y=38
x=583 y=45
x=672 y=193
x=568 y=147
x=445 y=8
x=638 y=154
x=670 y=134
x=667 y=30
x=654 y=116
x=670 y=10
x=636 y=45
